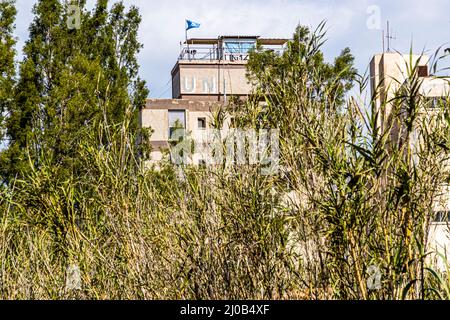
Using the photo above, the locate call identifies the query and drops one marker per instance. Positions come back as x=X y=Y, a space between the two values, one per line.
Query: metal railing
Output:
x=210 y=54
x=196 y=53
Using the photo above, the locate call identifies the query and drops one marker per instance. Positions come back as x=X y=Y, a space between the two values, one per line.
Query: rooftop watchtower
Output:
x=214 y=68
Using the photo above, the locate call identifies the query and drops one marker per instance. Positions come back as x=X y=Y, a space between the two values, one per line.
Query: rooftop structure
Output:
x=215 y=68
x=226 y=48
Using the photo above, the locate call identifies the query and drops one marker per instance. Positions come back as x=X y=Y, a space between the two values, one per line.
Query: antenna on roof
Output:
x=389 y=37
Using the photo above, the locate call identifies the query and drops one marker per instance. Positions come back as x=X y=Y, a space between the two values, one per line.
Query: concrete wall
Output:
x=192 y=117
x=375 y=75
x=388 y=72
x=158 y=120
x=393 y=70
x=156 y=116
x=435 y=87
x=205 y=80
x=176 y=84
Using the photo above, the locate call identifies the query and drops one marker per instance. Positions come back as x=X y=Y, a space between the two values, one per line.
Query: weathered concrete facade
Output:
x=209 y=80
x=155 y=115
x=388 y=72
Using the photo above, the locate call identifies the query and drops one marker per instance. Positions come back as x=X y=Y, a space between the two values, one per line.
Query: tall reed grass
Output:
x=348 y=200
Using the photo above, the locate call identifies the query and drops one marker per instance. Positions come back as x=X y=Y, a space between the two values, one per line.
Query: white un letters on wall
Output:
x=208 y=84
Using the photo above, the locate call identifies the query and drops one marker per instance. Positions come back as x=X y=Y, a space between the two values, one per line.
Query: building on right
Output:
x=390 y=70
x=388 y=73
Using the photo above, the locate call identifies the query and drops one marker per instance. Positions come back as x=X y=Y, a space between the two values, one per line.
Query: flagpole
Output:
x=187 y=43
x=190 y=25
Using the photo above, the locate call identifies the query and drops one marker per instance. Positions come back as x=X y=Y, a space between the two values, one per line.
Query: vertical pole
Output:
x=219 y=51
x=388 y=38
x=224 y=89
x=189 y=51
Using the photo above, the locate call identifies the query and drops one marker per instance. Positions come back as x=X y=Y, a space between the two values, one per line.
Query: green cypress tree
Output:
x=69 y=79
x=7 y=66
x=30 y=112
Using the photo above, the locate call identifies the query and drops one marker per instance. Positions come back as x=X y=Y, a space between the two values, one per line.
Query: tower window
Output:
x=201 y=123
x=177 y=121
x=423 y=71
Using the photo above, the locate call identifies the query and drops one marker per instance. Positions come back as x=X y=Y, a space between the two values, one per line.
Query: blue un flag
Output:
x=191 y=24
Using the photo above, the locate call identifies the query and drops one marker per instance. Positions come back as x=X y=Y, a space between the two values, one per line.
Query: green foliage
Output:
x=348 y=197
x=70 y=78
x=7 y=67
x=303 y=63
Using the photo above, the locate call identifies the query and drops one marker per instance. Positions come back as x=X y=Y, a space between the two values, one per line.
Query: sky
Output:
x=357 y=24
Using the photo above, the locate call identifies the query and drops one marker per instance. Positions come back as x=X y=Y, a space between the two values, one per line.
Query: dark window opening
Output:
x=423 y=71
x=201 y=123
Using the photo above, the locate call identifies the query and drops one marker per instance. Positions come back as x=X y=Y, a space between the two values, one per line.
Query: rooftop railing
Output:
x=193 y=53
